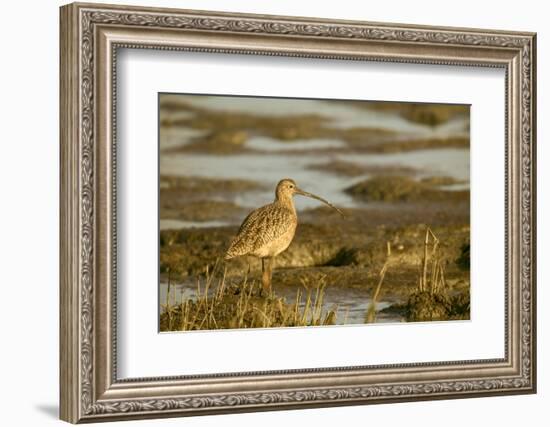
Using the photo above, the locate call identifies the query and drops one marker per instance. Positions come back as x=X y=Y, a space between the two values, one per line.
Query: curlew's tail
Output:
x=230 y=253
x=233 y=250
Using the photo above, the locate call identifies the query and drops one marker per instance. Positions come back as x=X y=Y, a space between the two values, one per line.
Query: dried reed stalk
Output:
x=371 y=311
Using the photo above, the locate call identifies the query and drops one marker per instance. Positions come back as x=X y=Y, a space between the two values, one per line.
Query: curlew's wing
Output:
x=260 y=227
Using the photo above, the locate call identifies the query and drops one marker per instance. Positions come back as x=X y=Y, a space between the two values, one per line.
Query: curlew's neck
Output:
x=286 y=200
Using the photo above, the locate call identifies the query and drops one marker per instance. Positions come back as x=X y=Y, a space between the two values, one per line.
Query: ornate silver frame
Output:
x=90 y=36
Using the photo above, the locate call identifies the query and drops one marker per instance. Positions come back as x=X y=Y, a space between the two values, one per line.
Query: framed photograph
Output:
x=267 y=212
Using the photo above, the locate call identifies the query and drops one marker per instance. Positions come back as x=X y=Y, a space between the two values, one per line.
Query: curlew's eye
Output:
x=291 y=186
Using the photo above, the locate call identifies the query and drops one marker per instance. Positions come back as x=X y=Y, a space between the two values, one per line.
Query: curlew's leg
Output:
x=265 y=278
x=263 y=269
x=267 y=269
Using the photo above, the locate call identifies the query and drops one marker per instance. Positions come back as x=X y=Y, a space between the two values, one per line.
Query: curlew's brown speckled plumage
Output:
x=261 y=229
x=269 y=230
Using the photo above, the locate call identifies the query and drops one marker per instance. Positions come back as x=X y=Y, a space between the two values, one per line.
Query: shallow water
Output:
x=266 y=143
x=453 y=162
x=171 y=224
x=337 y=114
x=352 y=303
x=275 y=159
x=269 y=169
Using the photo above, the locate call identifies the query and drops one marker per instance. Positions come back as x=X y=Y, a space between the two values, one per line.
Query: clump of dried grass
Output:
x=431 y=301
x=218 y=304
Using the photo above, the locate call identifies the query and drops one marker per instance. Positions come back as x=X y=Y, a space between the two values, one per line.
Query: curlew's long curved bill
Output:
x=313 y=196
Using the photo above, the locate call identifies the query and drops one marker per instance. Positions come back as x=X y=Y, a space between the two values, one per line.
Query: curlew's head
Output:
x=286 y=188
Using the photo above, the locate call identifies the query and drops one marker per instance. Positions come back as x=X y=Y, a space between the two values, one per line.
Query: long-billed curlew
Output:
x=269 y=230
